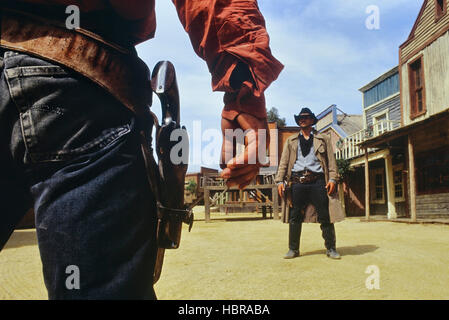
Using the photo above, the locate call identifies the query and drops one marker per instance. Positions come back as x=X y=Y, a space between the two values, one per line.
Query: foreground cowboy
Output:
x=308 y=164
x=72 y=109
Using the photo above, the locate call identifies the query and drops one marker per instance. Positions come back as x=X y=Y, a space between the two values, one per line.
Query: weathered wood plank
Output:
x=427 y=26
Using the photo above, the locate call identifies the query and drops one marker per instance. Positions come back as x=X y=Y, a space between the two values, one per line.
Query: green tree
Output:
x=191 y=186
x=273 y=116
x=344 y=169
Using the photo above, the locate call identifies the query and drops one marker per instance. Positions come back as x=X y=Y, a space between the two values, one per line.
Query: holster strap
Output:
x=114 y=68
x=184 y=215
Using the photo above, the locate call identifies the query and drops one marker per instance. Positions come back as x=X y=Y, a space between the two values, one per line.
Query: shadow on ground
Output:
x=22 y=238
x=346 y=251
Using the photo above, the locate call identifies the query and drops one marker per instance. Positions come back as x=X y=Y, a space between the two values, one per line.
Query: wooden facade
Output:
x=261 y=194
x=278 y=137
x=197 y=179
x=381 y=113
x=435 y=64
x=338 y=124
x=381 y=101
x=422 y=141
x=376 y=185
x=428 y=42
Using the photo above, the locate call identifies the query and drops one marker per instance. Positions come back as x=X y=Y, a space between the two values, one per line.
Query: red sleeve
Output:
x=230 y=35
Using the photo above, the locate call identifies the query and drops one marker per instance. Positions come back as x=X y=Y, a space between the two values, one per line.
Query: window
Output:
x=398 y=181
x=377 y=186
x=440 y=8
x=432 y=171
x=381 y=91
x=417 y=88
x=380 y=123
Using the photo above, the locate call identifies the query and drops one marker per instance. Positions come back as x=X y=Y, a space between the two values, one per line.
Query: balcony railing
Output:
x=347 y=148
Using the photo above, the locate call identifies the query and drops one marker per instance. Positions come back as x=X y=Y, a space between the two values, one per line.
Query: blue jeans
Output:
x=72 y=152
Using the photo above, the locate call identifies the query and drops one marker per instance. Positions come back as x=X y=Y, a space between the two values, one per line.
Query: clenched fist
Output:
x=240 y=170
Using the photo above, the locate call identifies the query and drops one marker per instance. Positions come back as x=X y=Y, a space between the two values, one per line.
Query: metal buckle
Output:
x=301 y=179
x=185 y=215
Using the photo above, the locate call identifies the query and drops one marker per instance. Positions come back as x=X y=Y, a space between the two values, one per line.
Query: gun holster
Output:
x=167 y=176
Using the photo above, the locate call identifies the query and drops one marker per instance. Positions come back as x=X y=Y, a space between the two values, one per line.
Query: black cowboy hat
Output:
x=306 y=112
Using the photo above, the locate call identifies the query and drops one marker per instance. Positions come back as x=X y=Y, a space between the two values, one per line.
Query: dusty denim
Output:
x=71 y=151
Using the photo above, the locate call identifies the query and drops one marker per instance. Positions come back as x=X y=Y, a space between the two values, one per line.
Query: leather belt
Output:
x=306 y=177
x=112 y=67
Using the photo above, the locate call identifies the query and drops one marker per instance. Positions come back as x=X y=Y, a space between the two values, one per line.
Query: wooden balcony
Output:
x=348 y=148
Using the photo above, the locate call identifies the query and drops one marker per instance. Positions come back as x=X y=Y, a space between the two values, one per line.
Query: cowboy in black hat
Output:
x=306 y=114
x=309 y=166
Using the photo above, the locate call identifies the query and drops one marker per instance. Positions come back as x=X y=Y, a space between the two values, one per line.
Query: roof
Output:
x=415 y=25
x=268 y=170
x=375 y=82
x=350 y=123
x=343 y=124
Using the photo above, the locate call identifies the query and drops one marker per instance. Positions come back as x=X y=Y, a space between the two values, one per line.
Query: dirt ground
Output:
x=243 y=260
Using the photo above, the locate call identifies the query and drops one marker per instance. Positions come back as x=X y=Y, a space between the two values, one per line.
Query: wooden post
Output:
x=392 y=214
x=411 y=174
x=206 y=204
x=275 y=200
x=241 y=199
x=367 y=191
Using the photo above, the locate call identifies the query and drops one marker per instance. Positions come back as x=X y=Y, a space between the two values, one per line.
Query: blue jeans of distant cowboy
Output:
x=72 y=152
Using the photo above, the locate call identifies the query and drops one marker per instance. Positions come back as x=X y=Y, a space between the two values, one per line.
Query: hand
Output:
x=330 y=186
x=241 y=169
x=281 y=189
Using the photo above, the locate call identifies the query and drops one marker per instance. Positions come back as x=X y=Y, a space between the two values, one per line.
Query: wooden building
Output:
x=196 y=179
x=278 y=137
x=423 y=138
x=339 y=125
x=261 y=195
x=384 y=188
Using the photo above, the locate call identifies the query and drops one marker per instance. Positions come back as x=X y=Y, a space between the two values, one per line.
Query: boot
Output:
x=294 y=234
x=333 y=254
x=328 y=232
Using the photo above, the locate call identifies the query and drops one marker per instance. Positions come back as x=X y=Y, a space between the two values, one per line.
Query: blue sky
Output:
x=325 y=46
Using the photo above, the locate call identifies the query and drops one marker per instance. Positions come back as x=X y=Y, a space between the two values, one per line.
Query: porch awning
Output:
x=385 y=138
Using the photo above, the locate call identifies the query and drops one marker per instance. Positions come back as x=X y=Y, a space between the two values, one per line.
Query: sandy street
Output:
x=243 y=260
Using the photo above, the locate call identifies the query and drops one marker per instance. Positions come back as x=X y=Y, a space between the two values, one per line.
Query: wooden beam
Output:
x=392 y=214
x=250 y=187
x=275 y=206
x=247 y=204
x=371 y=157
x=412 y=178
x=367 y=191
x=206 y=204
